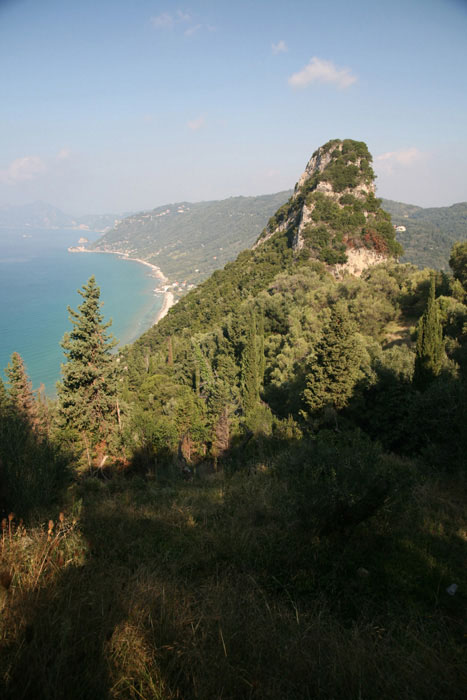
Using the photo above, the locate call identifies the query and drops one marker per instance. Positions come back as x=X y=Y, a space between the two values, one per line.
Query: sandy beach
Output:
x=169 y=301
x=157 y=271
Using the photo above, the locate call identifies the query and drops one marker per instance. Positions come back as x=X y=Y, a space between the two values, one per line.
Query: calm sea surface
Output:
x=39 y=278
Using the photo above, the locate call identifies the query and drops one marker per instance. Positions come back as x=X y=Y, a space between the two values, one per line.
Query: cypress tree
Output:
x=250 y=373
x=430 y=346
x=20 y=390
x=88 y=391
x=260 y=351
x=335 y=367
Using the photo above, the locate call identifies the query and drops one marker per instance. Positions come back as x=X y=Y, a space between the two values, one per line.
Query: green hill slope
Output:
x=430 y=233
x=189 y=241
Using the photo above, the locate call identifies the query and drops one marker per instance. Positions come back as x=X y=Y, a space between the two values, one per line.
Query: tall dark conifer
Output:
x=430 y=346
x=335 y=367
x=88 y=391
x=250 y=373
x=260 y=351
x=20 y=390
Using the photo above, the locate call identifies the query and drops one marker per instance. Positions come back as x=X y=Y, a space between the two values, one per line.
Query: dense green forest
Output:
x=264 y=496
x=430 y=232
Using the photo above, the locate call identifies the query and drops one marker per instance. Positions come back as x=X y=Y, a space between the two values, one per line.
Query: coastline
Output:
x=169 y=299
x=124 y=256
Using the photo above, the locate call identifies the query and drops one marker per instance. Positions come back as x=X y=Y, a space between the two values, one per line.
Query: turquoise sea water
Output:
x=39 y=278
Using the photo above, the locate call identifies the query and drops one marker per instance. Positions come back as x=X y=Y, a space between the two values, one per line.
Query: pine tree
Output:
x=335 y=367
x=88 y=391
x=430 y=346
x=20 y=390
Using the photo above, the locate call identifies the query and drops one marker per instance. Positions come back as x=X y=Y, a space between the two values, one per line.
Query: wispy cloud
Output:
x=193 y=29
x=22 y=169
x=196 y=124
x=30 y=168
x=319 y=70
x=180 y=19
x=163 y=21
x=183 y=16
x=403 y=158
x=280 y=47
x=63 y=154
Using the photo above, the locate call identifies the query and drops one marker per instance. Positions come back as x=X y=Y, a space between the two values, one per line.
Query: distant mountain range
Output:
x=191 y=240
x=43 y=215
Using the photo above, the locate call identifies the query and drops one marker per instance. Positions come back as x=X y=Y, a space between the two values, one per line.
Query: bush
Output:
x=33 y=469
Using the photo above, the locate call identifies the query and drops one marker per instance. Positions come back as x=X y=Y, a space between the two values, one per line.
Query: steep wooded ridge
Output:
x=334 y=214
x=332 y=220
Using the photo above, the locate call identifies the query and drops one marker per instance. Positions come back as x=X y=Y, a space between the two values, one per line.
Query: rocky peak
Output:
x=333 y=215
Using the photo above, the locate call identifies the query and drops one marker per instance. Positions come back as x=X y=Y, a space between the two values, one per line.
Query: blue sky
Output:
x=117 y=106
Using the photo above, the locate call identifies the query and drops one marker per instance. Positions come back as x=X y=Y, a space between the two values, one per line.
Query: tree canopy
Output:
x=87 y=392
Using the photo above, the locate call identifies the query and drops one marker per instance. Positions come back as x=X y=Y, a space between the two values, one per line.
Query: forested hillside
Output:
x=430 y=232
x=264 y=496
x=189 y=241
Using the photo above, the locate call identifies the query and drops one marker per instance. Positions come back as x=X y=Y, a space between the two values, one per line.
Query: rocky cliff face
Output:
x=333 y=214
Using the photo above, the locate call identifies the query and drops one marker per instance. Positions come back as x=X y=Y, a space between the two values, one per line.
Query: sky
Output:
x=115 y=106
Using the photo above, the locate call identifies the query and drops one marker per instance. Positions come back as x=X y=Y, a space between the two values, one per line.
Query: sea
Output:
x=39 y=279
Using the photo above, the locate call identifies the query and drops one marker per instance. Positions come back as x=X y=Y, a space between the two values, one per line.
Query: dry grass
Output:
x=205 y=591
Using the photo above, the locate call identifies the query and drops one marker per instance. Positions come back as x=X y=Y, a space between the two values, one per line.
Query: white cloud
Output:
x=183 y=16
x=162 y=21
x=63 y=154
x=320 y=71
x=402 y=158
x=22 y=169
x=280 y=47
x=193 y=29
x=196 y=124
x=167 y=20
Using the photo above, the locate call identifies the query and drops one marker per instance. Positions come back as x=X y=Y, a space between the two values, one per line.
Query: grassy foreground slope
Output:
x=208 y=590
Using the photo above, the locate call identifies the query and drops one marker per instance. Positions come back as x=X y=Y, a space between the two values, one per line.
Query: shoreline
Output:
x=124 y=256
x=169 y=299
